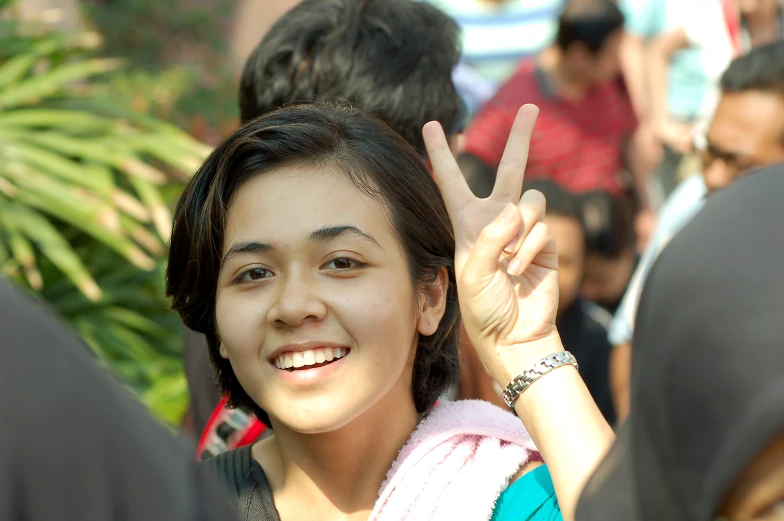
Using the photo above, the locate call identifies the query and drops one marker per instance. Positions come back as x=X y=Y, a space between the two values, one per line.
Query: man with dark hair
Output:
x=581 y=324
x=747 y=133
x=586 y=122
x=391 y=58
x=610 y=248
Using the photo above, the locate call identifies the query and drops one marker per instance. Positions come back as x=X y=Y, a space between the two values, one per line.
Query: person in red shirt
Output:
x=582 y=137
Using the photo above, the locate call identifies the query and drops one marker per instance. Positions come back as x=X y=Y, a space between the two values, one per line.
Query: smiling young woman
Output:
x=317 y=254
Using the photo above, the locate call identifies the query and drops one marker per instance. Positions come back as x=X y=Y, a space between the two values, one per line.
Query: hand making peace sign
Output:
x=506 y=261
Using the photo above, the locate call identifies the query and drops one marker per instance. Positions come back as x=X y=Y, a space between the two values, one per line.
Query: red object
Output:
x=240 y=429
x=732 y=20
x=578 y=144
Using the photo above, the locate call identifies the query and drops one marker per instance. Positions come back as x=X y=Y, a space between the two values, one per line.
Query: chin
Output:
x=321 y=417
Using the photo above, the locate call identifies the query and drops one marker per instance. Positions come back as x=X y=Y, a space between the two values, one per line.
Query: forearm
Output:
x=620 y=377
x=633 y=66
x=564 y=422
x=659 y=55
x=658 y=61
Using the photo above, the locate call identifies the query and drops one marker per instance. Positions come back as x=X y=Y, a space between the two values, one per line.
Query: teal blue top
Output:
x=530 y=498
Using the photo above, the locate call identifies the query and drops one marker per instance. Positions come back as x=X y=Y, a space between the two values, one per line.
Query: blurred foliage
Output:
x=176 y=52
x=85 y=194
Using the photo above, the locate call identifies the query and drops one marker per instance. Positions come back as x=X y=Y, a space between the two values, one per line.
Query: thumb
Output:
x=483 y=261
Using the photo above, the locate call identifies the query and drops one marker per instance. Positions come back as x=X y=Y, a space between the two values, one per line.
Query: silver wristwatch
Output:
x=540 y=368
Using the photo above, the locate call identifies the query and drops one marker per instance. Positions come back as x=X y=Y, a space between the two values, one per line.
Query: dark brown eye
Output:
x=343 y=263
x=254 y=274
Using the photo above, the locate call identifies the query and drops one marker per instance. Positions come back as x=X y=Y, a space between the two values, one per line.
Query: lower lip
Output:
x=310 y=376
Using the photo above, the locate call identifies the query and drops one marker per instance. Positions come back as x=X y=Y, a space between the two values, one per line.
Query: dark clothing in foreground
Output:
x=76 y=446
x=707 y=388
x=246 y=484
x=583 y=328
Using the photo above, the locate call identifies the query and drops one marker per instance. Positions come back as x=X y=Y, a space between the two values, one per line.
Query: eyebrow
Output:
x=322 y=235
x=330 y=233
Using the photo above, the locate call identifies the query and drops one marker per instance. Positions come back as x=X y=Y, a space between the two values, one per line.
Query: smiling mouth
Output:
x=310 y=359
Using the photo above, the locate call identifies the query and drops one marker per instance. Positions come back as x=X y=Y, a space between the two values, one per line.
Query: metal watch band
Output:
x=539 y=369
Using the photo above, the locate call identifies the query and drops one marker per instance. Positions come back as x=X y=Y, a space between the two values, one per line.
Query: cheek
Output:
x=240 y=320
x=378 y=314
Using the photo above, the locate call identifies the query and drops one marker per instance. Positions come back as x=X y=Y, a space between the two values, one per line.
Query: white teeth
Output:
x=308 y=358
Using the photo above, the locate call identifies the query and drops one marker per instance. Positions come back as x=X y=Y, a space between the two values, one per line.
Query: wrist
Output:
x=515 y=359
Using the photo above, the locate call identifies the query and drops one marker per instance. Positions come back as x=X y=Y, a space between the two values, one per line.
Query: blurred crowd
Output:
x=648 y=109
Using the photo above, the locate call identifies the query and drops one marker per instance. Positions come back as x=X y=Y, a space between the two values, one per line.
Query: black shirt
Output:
x=583 y=329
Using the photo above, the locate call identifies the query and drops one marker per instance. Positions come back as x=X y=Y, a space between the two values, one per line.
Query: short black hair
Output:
x=762 y=69
x=609 y=224
x=589 y=22
x=560 y=201
x=379 y=162
x=390 y=58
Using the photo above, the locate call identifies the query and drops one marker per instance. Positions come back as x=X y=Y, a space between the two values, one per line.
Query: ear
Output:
x=433 y=304
x=223 y=352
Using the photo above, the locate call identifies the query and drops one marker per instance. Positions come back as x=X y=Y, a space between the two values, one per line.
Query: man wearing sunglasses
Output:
x=746 y=133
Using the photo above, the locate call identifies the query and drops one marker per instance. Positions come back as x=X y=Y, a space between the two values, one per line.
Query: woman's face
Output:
x=315 y=307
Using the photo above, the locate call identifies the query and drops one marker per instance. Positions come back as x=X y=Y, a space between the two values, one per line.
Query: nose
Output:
x=296 y=302
x=716 y=175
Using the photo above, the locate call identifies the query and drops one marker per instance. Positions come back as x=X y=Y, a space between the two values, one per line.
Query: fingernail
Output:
x=508 y=215
x=513 y=267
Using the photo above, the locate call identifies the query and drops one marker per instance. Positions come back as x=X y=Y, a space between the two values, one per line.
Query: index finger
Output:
x=511 y=171
x=450 y=180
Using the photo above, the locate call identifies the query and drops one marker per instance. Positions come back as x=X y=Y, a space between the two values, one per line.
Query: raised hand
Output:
x=505 y=261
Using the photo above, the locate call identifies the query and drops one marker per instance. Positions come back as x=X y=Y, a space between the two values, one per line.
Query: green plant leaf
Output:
x=52 y=244
x=36 y=88
x=18 y=66
x=69 y=121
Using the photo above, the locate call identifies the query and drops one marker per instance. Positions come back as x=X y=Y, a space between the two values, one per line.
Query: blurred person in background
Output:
x=391 y=58
x=74 y=445
x=581 y=323
x=705 y=436
x=585 y=137
x=673 y=56
x=747 y=132
x=611 y=248
x=496 y=35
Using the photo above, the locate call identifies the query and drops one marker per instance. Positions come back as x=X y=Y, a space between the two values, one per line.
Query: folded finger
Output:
x=535 y=242
x=532 y=208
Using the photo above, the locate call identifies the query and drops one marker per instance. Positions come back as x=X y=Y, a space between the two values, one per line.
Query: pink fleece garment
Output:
x=455 y=465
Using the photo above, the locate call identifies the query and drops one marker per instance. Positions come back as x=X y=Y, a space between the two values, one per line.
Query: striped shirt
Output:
x=497 y=35
x=578 y=144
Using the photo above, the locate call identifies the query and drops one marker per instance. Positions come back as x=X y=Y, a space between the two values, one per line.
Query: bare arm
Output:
x=620 y=378
x=633 y=66
x=660 y=52
x=568 y=429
